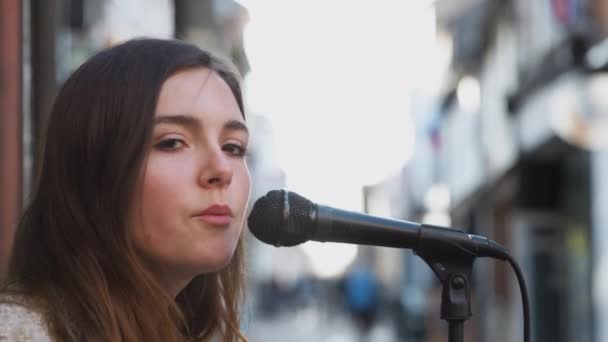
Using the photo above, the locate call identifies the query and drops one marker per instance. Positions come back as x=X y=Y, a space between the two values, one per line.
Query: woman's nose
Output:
x=216 y=171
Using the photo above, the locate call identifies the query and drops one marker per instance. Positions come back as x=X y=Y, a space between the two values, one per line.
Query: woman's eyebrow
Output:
x=187 y=121
x=236 y=125
x=194 y=123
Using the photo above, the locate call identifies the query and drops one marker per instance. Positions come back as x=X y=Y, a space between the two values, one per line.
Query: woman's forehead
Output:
x=189 y=80
x=196 y=89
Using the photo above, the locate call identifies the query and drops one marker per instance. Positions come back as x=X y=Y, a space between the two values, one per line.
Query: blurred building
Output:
x=515 y=139
x=10 y=123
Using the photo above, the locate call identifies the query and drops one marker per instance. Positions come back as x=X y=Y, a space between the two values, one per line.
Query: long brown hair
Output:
x=71 y=253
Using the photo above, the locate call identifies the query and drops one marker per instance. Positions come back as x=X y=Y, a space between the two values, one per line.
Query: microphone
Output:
x=284 y=218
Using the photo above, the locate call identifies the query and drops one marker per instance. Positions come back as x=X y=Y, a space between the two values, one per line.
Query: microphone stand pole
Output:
x=454 y=271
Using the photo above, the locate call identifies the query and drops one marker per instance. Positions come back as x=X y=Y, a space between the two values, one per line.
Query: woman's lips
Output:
x=216 y=215
x=216 y=220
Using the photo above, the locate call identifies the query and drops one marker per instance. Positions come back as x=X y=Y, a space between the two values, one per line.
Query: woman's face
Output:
x=196 y=183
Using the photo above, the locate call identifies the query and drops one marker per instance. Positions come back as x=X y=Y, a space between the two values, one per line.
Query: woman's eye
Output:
x=170 y=144
x=235 y=150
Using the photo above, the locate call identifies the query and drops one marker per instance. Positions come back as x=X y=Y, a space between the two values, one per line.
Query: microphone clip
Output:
x=453 y=266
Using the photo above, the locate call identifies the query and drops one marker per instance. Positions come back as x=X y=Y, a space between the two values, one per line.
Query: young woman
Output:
x=133 y=231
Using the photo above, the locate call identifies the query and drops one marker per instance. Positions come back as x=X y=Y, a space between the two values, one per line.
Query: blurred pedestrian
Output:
x=362 y=297
x=133 y=230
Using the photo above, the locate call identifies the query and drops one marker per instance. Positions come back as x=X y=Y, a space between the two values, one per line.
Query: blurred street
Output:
x=311 y=325
x=488 y=116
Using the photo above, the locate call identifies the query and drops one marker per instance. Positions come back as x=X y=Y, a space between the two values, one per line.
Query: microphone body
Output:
x=336 y=225
x=283 y=218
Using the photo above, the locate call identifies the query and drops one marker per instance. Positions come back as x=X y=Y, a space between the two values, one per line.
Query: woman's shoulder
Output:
x=19 y=321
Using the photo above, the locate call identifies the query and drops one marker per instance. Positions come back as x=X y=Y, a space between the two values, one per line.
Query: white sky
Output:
x=334 y=78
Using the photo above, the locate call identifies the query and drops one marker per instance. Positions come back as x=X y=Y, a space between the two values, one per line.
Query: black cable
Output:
x=524 y=296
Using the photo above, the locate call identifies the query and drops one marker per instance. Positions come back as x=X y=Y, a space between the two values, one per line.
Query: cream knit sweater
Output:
x=20 y=323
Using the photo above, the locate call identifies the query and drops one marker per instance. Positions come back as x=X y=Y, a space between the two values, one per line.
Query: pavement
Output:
x=311 y=324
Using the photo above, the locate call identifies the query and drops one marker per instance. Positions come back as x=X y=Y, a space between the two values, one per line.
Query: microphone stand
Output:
x=456 y=293
x=453 y=266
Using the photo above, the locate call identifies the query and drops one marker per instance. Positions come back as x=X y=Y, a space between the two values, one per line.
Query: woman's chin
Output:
x=215 y=262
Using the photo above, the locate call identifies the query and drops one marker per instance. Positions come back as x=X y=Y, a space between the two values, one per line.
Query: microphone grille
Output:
x=280 y=217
